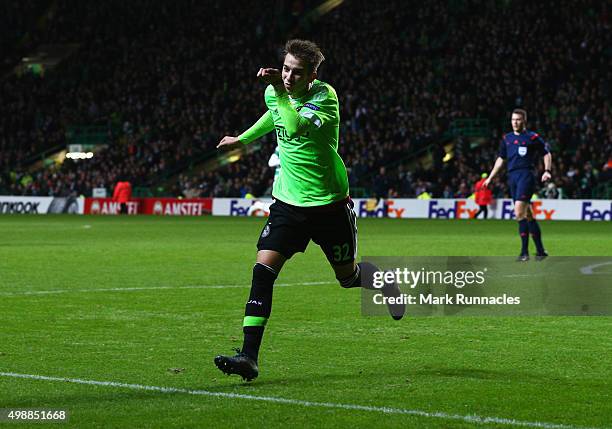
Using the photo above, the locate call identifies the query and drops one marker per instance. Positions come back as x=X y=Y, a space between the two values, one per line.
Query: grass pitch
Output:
x=150 y=301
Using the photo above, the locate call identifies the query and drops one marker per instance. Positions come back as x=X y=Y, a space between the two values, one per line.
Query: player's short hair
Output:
x=521 y=112
x=306 y=51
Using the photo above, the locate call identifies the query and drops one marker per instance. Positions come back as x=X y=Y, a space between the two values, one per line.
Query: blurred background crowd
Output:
x=167 y=80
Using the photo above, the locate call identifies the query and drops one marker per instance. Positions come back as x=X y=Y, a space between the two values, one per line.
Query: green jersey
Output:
x=312 y=172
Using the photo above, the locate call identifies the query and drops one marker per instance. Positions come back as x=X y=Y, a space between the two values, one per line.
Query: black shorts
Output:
x=289 y=229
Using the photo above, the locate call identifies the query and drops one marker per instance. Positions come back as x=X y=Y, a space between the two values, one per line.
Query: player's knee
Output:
x=272 y=259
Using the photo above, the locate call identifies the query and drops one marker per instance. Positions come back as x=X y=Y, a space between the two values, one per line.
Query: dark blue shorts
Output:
x=522 y=185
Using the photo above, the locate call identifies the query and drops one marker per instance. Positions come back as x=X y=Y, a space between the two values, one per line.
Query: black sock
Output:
x=354 y=280
x=536 y=234
x=524 y=233
x=363 y=276
x=258 y=309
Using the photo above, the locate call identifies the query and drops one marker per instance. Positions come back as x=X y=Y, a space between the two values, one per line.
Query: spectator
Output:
x=123 y=194
x=483 y=197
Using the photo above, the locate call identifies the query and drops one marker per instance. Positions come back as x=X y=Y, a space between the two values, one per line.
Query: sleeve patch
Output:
x=311 y=106
x=311 y=117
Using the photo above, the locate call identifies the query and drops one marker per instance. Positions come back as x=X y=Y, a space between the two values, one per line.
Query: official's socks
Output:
x=524 y=233
x=536 y=234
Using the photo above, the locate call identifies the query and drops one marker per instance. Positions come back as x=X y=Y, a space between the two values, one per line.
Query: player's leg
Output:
x=282 y=236
x=336 y=233
x=259 y=305
x=485 y=209
x=256 y=315
x=480 y=210
x=362 y=275
x=536 y=235
x=520 y=211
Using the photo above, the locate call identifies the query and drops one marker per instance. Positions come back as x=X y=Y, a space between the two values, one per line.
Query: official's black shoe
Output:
x=392 y=290
x=523 y=257
x=541 y=256
x=241 y=364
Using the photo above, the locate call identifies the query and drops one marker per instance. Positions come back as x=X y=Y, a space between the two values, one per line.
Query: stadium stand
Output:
x=168 y=80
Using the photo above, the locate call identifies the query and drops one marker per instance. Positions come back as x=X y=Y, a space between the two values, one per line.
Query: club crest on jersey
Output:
x=266 y=231
x=522 y=151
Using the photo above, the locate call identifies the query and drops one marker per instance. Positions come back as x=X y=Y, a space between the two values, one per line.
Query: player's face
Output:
x=296 y=76
x=518 y=122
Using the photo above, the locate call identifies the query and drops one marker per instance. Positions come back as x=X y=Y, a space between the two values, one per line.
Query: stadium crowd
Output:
x=175 y=78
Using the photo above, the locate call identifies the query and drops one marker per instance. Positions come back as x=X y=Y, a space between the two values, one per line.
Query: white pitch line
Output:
x=588 y=270
x=128 y=289
x=278 y=400
x=521 y=275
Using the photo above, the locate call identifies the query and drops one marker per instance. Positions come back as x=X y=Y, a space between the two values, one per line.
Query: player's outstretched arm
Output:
x=547 y=166
x=263 y=126
x=499 y=162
